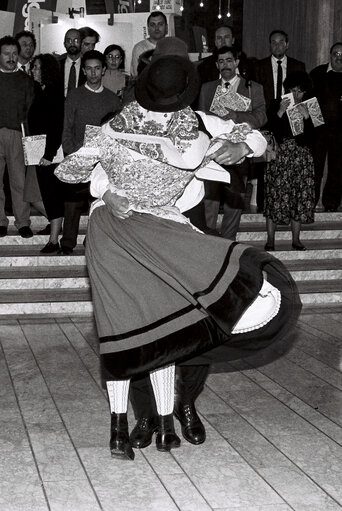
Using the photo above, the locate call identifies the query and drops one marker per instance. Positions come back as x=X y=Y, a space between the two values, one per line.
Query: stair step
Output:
x=34 y=272
x=45 y=295
x=38 y=240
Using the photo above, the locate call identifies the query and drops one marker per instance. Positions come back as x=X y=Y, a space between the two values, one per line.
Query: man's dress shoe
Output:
x=192 y=428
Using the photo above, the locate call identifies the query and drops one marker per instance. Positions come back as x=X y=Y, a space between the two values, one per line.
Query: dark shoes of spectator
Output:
x=269 y=247
x=142 y=433
x=192 y=428
x=3 y=231
x=298 y=246
x=330 y=210
x=50 y=248
x=25 y=232
x=46 y=230
x=65 y=250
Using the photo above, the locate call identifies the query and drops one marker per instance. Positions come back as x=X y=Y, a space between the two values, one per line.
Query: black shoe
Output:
x=192 y=428
x=269 y=248
x=25 y=232
x=50 y=248
x=3 y=231
x=46 y=230
x=142 y=433
x=65 y=250
x=299 y=246
x=119 y=444
x=166 y=438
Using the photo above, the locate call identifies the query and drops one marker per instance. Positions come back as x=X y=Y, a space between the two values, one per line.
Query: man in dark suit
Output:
x=70 y=62
x=227 y=64
x=327 y=81
x=271 y=73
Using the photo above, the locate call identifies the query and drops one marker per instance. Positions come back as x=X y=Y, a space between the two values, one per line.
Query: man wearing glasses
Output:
x=327 y=81
x=70 y=63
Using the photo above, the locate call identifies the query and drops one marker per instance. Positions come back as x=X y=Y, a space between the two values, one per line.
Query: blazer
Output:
x=264 y=75
x=256 y=117
x=81 y=78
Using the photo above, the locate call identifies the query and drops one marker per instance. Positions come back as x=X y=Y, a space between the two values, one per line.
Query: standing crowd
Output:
x=166 y=164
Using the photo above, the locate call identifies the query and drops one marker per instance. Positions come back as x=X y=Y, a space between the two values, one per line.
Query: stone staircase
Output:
x=54 y=285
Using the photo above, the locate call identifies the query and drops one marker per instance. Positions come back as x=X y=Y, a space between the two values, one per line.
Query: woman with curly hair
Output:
x=289 y=179
x=46 y=118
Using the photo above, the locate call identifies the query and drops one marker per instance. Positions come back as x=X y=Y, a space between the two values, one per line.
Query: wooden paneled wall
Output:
x=313 y=26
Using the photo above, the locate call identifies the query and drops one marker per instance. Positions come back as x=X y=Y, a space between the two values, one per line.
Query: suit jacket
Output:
x=264 y=75
x=256 y=117
x=328 y=90
x=81 y=78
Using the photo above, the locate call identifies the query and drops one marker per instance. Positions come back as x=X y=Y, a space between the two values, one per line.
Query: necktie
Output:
x=279 y=80
x=227 y=85
x=72 y=77
x=23 y=68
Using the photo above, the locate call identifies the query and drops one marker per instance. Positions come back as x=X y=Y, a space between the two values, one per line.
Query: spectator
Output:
x=115 y=78
x=271 y=72
x=327 y=80
x=70 y=63
x=87 y=104
x=157 y=29
x=89 y=39
x=289 y=179
x=16 y=89
x=46 y=118
x=227 y=63
x=28 y=43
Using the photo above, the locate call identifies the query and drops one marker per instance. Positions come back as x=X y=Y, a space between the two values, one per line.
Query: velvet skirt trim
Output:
x=163 y=292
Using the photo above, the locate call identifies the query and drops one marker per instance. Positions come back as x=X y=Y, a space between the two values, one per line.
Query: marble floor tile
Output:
x=251 y=445
x=125 y=485
x=21 y=495
x=71 y=496
x=298 y=490
x=184 y=493
x=252 y=507
x=318 y=456
x=238 y=486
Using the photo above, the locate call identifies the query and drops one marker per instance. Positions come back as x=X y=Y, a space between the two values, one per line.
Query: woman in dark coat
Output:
x=289 y=179
x=46 y=118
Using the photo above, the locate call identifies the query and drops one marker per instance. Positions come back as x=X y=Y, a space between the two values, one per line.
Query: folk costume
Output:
x=163 y=291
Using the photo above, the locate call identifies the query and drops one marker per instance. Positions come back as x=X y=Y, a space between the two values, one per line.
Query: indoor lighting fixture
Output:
x=201 y=4
x=219 y=11
x=228 y=10
x=181 y=8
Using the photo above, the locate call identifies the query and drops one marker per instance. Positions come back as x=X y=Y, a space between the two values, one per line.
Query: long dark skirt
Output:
x=164 y=293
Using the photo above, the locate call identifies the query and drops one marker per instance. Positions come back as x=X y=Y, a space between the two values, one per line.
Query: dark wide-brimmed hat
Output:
x=168 y=84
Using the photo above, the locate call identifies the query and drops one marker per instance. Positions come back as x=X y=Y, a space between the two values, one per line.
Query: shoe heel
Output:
x=166 y=438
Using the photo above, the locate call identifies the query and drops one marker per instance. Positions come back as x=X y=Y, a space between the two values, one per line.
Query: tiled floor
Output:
x=274 y=429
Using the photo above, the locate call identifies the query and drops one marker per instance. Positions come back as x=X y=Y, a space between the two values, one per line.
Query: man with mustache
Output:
x=70 y=63
x=327 y=80
x=16 y=89
x=227 y=63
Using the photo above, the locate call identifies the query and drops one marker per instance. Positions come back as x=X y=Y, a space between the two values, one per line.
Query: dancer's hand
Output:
x=231 y=153
x=117 y=205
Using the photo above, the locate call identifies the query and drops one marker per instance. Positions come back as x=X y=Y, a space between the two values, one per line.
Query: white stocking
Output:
x=163 y=384
x=118 y=395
